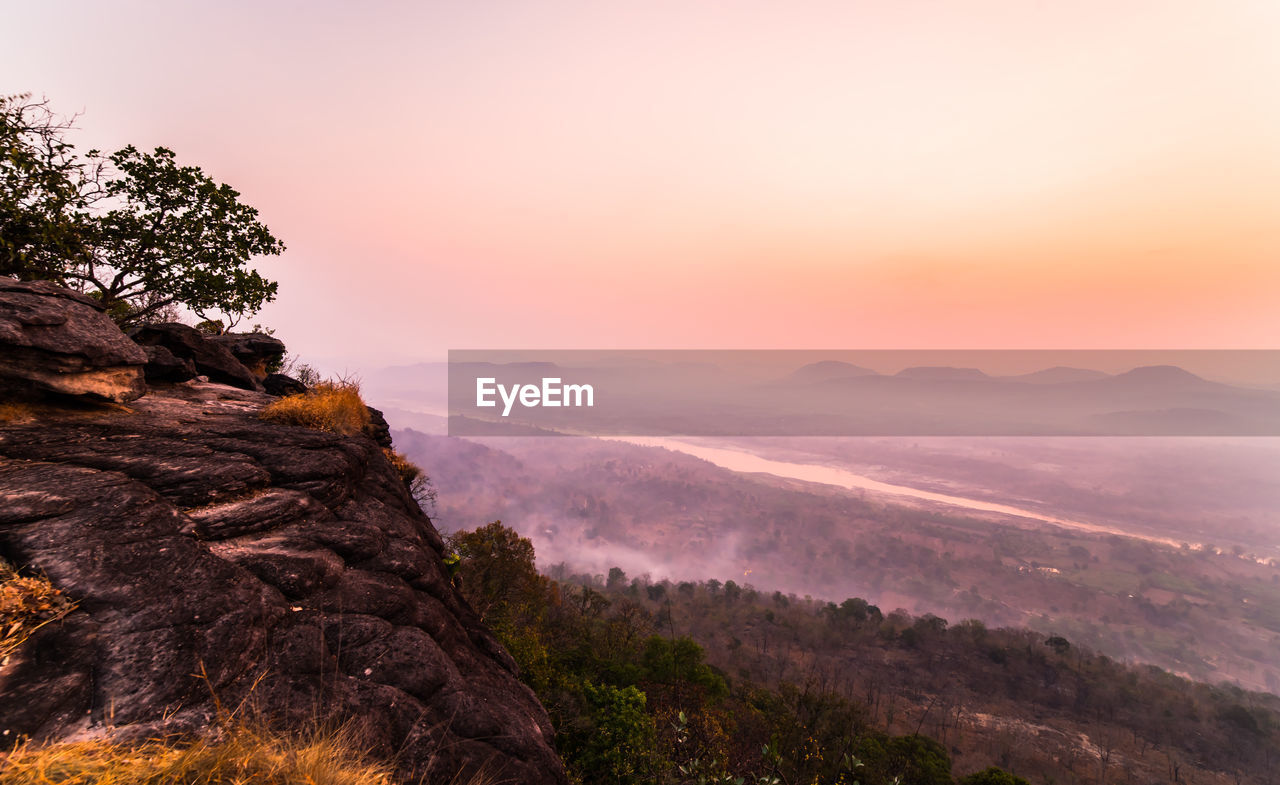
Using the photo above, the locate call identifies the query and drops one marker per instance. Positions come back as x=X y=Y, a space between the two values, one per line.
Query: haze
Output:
x=727 y=175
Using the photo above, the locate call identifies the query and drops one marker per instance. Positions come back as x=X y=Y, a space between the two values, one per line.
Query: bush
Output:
x=616 y=744
x=329 y=406
x=993 y=776
x=418 y=483
x=239 y=755
x=407 y=469
x=26 y=605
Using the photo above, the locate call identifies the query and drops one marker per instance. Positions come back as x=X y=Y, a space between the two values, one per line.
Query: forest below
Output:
x=715 y=681
x=1210 y=615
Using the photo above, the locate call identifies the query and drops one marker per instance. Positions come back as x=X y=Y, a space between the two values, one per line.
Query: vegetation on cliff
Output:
x=334 y=406
x=240 y=754
x=27 y=603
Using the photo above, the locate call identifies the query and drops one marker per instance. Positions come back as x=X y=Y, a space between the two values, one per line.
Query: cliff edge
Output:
x=218 y=559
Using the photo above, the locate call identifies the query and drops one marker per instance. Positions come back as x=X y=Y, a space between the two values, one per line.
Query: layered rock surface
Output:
x=256 y=351
x=211 y=358
x=53 y=340
x=215 y=554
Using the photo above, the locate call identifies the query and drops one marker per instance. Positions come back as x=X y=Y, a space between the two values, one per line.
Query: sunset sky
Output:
x=882 y=174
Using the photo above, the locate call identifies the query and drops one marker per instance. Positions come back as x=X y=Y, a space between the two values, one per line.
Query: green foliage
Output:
x=498 y=574
x=617 y=578
x=818 y=683
x=679 y=661
x=915 y=759
x=212 y=326
x=992 y=776
x=176 y=234
x=42 y=192
x=1241 y=719
x=1059 y=644
x=859 y=610
x=751 y=688
x=630 y=705
x=614 y=741
x=138 y=230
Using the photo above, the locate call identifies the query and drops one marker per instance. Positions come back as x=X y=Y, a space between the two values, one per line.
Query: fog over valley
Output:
x=1152 y=549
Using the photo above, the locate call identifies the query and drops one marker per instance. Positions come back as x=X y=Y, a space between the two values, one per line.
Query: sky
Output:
x=672 y=174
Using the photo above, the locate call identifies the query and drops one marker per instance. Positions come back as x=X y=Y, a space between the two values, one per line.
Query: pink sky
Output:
x=885 y=174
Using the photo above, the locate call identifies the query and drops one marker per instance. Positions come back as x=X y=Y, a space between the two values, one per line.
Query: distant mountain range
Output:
x=1058 y=375
x=832 y=397
x=826 y=370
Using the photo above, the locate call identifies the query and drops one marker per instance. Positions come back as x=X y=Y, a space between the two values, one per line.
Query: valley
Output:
x=1208 y=611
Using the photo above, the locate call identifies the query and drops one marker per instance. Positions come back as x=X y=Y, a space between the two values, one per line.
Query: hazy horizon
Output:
x=896 y=175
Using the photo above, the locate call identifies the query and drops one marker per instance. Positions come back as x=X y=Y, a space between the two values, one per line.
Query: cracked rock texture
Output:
x=288 y=566
x=53 y=340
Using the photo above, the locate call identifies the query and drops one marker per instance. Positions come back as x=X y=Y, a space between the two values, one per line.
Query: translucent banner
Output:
x=865 y=392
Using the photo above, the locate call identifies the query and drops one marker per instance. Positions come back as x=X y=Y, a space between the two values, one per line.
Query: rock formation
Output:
x=164 y=366
x=378 y=429
x=53 y=340
x=256 y=351
x=212 y=553
x=279 y=384
x=210 y=358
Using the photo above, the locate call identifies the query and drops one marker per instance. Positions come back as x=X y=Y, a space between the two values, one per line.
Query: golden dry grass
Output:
x=26 y=412
x=329 y=406
x=418 y=483
x=17 y=412
x=407 y=469
x=26 y=605
x=239 y=755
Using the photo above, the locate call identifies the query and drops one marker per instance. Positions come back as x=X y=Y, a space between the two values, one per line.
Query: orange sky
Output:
x=714 y=175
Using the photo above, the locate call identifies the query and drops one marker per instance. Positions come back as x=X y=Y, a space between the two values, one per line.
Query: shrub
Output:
x=993 y=776
x=618 y=745
x=418 y=483
x=26 y=605
x=328 y=406
x=407 y=469
x=238 y=755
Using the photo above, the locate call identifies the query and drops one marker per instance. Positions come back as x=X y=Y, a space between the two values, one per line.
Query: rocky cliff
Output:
x=217 y=558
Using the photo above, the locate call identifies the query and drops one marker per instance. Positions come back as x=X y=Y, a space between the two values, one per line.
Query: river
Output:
x=748 y=462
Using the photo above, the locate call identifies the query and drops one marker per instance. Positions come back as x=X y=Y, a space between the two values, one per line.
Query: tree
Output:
x=993 y=775
x=616 y=744
x=137 y=230
x=914 y=759
x=497 y=572
x=43 y=192
x=616 y=578
x=174 y=235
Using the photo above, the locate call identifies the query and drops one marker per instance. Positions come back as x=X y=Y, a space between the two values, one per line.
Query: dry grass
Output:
x=17 y=412
x=329 y=406
x=407 y=469
x=418 y=483
x=25 y=412
x=26 y=605
x=239 y=755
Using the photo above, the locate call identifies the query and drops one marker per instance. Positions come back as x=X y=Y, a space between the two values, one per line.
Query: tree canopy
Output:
x=138 y=230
